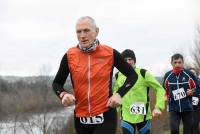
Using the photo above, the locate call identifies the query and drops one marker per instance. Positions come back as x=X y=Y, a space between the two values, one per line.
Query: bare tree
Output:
x=196 y=52
x=31 y=105
x=39 y=120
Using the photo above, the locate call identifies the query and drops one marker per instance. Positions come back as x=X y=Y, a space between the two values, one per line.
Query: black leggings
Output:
x=142 y=128
x=187 y=119
x=109 y=126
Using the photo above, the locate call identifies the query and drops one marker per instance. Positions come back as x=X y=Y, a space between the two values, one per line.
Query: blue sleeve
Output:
x=197 y=90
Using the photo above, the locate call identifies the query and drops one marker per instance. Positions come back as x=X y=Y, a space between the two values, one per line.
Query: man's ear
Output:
x=97 y=31
x=172 y=63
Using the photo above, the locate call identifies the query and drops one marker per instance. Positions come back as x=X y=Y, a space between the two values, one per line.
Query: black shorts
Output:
x=130 y=128
x=109 y=125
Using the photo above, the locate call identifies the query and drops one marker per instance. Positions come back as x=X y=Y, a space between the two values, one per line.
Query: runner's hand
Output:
x=68 y=100
x=189 y=92
x=156 y=112
x=114 y=101
x=165 y=98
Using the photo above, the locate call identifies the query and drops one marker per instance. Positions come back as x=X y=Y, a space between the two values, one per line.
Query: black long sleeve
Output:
x=127 y=70
x=61 y=76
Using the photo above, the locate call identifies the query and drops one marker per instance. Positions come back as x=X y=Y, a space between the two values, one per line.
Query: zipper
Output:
x=179 y=101
x=89 y=108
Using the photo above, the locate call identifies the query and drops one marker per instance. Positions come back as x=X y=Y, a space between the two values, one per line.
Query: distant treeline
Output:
x=27 y=94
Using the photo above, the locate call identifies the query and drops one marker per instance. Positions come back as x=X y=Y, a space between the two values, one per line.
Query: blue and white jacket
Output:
x=196 y=96
x=176 y=86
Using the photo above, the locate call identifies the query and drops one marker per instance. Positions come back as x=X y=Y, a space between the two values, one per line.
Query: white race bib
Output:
x=138 y=108
x=179 y=94
x=98 y=119
x=195 y=101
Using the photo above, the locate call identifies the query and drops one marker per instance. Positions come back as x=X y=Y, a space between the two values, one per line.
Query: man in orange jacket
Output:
x=90 y=65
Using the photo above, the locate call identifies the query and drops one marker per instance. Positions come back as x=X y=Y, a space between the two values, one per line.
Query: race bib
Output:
x=99 y=119
x=195 y=101
x=179 y=94
x=138 y=108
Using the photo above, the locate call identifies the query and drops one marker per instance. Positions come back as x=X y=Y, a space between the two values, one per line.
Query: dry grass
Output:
x=22 y=97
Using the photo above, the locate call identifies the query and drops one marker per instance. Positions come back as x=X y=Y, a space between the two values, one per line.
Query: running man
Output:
x=180 y=84
x=90 y=65
x=135 y=109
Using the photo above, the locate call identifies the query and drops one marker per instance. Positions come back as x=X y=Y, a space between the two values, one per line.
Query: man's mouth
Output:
x=84 y=41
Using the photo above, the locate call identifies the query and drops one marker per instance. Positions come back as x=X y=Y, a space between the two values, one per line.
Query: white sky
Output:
x=35 y=34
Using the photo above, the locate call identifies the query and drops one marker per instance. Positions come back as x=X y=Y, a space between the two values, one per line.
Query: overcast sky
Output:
x=35 y=34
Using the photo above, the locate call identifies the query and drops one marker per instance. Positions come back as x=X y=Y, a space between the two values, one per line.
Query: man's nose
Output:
x=82 y=34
